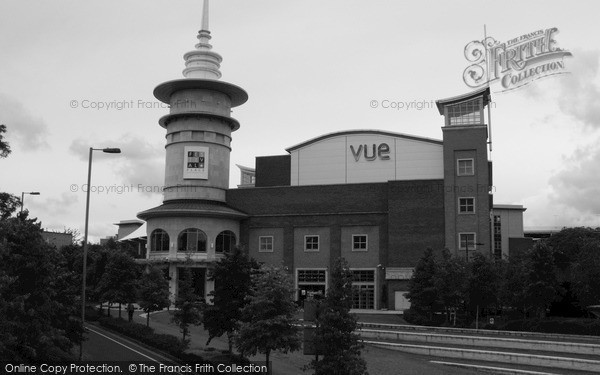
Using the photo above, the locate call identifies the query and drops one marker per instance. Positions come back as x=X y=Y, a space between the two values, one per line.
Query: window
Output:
x=311 y=243
x=466 y=113
x=192 y=239
x=466 y=205
x=466 y=167
x=225 y=242
x=359 y=242
x=363 y=289
x=311 y=276
x=467 y=239
x=265 y=244
x=159 y=240
x=497 y=237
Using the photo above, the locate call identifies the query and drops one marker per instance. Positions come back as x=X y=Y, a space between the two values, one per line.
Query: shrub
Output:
x=168 y=343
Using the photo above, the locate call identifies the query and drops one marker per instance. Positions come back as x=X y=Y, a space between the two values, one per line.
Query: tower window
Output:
x=192 y=239
x=311 y=243
x=465 y=167
x=159 y=240
x=225 y=242
x=467 y=239
x=265 y=244
x=359 y=242
x=469 y=112
x=466 y=205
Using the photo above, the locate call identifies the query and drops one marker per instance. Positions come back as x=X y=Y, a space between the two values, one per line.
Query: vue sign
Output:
x=382 y=152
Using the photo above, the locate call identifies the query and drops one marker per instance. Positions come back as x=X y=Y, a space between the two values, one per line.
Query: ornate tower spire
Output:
x=202 y=62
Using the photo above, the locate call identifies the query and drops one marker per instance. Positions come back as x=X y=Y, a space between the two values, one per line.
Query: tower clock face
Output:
x=195 y=163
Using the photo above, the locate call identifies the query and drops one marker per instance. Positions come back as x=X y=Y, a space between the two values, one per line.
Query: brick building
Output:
x=376 y=198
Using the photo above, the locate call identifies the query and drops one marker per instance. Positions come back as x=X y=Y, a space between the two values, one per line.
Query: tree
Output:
x=542 y=286
x=586 y=273
x=335 y=333
x=188 y=305
x=449 y=281
x=120 y=281
x=8 y=205
x=232 y=277
x=268 y=318
x=39 y=296
x=422 y=291
x=482 y=284
x=4 y=146
x=153 y=292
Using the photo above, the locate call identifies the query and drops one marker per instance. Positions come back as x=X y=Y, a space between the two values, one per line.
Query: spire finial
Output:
x=205 y=16
x=202 y=62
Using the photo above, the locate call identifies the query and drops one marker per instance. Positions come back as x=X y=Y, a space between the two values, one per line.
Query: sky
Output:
x=75 y=75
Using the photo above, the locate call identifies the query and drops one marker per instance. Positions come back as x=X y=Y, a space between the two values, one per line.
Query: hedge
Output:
x=167 y=343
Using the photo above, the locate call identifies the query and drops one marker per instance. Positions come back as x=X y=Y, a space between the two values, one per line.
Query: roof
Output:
x=364 y=131
x=164 y=91
x=484 y=92
x=139 y=233
x=198 y=208
x=509 y=207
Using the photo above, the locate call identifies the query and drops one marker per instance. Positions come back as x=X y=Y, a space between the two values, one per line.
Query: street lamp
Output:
x=467 y=247
x=108 y=150
x=23 y=198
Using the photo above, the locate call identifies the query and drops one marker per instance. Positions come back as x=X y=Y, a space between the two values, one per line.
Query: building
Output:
x=376 y=198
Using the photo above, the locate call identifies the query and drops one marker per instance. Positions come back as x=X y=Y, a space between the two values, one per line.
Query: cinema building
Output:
x=376 y=198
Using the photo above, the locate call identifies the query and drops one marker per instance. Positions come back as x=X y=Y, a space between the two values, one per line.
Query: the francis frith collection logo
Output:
x=514 y=63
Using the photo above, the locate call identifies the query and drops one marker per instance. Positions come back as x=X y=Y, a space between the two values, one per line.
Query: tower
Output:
x=467 y=174
x=194 y=226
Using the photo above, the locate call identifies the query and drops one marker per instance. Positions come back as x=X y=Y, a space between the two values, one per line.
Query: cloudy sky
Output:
x=310 y=67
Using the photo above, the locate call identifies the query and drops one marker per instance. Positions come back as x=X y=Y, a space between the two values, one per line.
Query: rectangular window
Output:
x=497 y=237
x=469 y=112
x=359 y=242
x=466 y=205
x=465 y=167
x=467 y=239
x=265 y=244
x=311 y=243
x=311 y=276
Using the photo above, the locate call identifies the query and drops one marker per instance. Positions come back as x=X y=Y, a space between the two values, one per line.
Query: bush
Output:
x=590 y=327
x=141 y=332
x=91 y=314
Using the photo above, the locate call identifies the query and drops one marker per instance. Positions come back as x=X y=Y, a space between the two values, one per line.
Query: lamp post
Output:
x=23 y=198
x=467 y=248
x=85 y=237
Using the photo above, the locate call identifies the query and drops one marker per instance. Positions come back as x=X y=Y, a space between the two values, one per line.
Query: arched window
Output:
x=159 y=240
x=191 y=239
x=225 y=242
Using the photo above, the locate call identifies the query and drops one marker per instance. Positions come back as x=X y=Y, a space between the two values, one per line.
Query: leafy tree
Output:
x=39 y=296
x=232 y=277
x=4 y=146
x=567 y=243
x=482 y=284
x=542 y=286
x=8 y=205
x=449 y=281
x=188 y=305
x=513 y=282
x=269 y=315
x=120 y=281
x=586 y=273
x=422 y=292
x=335 y=334
x=153 y=292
